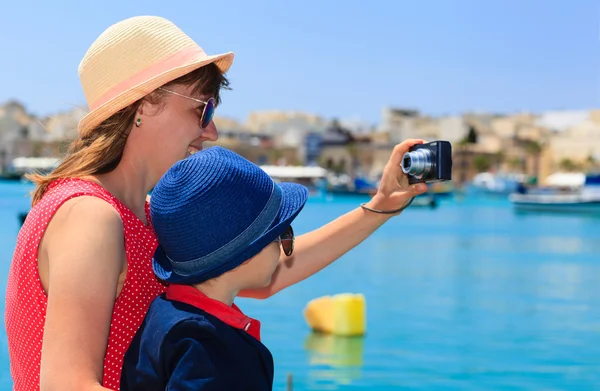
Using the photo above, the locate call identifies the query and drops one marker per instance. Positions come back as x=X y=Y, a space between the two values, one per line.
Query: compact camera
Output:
x=428 y=163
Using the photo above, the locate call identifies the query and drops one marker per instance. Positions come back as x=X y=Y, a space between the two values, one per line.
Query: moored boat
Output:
x=585 y=199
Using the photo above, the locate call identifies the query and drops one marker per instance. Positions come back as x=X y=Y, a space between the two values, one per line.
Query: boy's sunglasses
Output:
x=287 y=241
x=207 y=112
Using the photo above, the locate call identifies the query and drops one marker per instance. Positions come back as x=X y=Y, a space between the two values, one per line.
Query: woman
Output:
x=81 y=278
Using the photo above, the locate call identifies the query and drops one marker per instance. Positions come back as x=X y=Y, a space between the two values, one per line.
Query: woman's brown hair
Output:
x=99 y=151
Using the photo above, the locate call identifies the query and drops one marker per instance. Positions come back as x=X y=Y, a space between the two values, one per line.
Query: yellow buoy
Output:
x=343 y=314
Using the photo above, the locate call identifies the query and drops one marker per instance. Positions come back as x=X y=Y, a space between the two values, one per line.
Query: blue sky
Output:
x=344 y=59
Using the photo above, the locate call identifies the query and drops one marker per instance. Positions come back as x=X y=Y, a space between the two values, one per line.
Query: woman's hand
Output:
x=394 y=191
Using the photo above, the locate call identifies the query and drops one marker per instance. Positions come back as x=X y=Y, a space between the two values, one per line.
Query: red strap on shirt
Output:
x=232 y=316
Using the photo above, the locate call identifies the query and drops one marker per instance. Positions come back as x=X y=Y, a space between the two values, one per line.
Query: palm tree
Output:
x=499 y=158
x=591 y=162
x=567 y=165
x=515 y=163
x=482 y=163
x=352 y=149
x=470 y=138
x=534 y=149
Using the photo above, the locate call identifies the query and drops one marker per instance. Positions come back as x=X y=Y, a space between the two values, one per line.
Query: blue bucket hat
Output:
x=215 y=210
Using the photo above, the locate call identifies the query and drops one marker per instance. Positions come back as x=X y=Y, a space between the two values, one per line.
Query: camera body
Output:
x=428 y=163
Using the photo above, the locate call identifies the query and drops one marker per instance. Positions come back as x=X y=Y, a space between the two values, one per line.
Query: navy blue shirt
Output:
x=191 y=342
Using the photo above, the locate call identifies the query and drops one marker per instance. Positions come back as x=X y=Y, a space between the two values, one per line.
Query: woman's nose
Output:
x=210 y=132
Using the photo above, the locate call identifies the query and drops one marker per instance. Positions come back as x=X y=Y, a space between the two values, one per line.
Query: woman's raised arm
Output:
x=317 y=249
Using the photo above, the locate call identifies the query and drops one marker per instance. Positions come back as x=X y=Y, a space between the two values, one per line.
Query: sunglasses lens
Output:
x=209 y=111
x=287 y=241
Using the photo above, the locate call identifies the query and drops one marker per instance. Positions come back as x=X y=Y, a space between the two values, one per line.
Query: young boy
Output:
x=221 y=223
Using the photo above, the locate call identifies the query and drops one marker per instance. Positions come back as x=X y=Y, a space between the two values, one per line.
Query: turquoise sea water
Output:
x=469 y=296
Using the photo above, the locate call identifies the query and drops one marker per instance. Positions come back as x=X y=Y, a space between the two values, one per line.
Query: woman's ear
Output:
x=150 y=105
x=143 y=107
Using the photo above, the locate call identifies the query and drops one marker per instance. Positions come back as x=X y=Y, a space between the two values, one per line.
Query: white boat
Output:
x=310 y=176
x=497 y=184
x=40 y=164
x=585 y=199
x=288 y=173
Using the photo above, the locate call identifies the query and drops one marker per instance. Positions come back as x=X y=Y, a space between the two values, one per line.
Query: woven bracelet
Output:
x=388 y=212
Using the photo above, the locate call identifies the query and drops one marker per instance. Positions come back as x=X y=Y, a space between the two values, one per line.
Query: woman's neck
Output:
x=130 y=185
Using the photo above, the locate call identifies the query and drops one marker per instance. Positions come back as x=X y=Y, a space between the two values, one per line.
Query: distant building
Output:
x=288 y=129
x=397 y=124
x=312 y=148
x=62 y=127
x=344 y=152
x=577 y=141
x=20 y=134
x=533 y=144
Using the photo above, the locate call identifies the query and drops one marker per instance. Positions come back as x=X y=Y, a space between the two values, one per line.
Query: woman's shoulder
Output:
x=79 y=197
x=75 y=207
x=61 y=193
x=84 y=225
x=90 y=210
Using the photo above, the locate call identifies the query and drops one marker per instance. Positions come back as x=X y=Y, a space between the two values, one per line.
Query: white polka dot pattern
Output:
x=26 y=300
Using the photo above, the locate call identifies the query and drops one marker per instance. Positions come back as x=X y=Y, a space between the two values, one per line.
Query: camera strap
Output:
x=388 y=212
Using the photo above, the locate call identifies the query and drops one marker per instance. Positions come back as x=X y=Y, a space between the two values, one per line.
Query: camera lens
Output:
x=417 y=163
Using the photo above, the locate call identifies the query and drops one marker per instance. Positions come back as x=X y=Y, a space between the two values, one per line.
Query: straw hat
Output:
x=134 y=57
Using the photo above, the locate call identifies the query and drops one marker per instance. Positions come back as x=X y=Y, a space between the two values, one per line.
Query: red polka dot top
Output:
x=26 y=300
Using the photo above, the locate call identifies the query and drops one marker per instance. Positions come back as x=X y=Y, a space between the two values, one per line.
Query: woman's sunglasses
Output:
x=207 y=112
x=287 y=241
